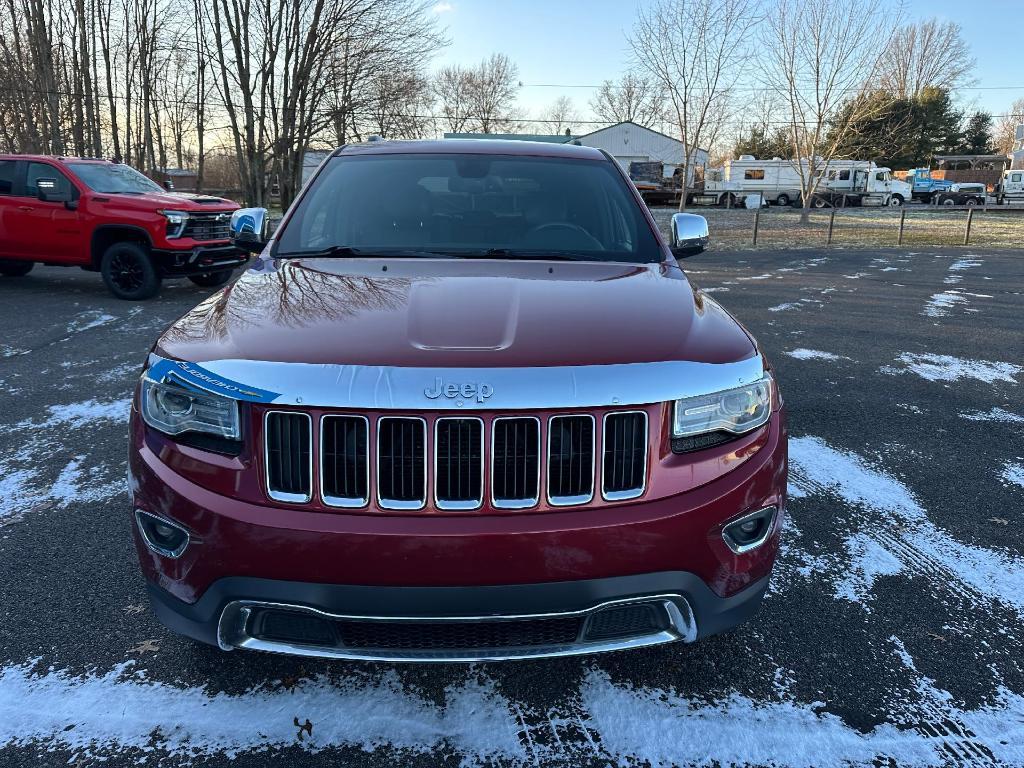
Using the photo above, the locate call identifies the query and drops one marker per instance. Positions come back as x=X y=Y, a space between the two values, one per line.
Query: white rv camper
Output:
x=843 y=182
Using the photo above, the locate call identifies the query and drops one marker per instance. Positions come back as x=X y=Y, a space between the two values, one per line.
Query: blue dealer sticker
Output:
x=200 y=378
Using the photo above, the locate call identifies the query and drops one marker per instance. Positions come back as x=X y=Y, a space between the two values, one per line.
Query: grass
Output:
x=858 y=227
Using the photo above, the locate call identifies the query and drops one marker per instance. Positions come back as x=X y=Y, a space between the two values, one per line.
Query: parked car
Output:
x=465 y=405
x=107 y=217
x=962 y=194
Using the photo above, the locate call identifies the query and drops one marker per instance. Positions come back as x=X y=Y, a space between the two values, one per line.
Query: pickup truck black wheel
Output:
x=10 y=268
x=948 y=201
x=211 y=279
x=782 y=200
x=128 y=272
x=971 y=202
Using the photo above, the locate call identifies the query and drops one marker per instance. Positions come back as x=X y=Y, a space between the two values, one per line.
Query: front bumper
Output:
x=681 y=608
x=360 y=571
x=198 y=260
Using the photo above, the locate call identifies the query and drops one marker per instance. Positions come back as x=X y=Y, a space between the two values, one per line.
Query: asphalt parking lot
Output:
x=892 y=633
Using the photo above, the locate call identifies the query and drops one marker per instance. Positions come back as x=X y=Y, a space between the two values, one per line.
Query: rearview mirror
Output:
x=249 y=229
x=49 y=191
x=688 y=234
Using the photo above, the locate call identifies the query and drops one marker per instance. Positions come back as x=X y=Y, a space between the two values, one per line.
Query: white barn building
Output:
x=630 y=142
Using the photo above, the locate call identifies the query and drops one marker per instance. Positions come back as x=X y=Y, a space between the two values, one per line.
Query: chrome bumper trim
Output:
x=232 y=632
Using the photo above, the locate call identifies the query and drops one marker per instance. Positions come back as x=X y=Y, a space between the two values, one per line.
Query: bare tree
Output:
x=451 y=87
x=493 y=93
x=926 y=54
x=1006 y=126
x=634 y=98
x=561 y=115
x=695 y=50
x=824 y=59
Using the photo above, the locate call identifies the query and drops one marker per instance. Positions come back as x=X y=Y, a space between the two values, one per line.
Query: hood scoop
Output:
x=464 y=314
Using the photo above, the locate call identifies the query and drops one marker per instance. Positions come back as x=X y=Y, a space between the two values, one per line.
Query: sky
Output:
x=570 y=43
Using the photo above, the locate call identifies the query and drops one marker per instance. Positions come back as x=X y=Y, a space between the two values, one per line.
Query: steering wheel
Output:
x=567 y=225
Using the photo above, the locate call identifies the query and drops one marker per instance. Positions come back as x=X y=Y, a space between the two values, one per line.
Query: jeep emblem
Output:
x=469 y=390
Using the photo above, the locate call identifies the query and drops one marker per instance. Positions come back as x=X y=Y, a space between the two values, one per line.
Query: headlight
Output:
x=734 y=410
x=172 y=408
x=176 y=221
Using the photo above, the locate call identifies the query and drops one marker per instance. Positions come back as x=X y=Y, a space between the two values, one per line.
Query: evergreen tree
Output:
x=977 y=135
x=764 y=144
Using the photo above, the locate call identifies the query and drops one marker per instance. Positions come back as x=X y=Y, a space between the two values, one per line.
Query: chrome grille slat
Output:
x=288 y=449
x=624 y=461
x=458 y=463
x=570 y=460
x=401 y=462
x=515 y=462
x=344 y=461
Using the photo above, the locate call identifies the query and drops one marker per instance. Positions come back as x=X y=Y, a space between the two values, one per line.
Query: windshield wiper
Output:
x=347 y=251
x=509 y=253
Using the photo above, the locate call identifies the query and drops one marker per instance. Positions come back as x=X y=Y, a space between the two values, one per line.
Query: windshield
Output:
x=113 y=178
x=492 y=206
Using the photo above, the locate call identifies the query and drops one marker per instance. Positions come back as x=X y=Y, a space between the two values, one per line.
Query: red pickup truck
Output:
x=108 y=217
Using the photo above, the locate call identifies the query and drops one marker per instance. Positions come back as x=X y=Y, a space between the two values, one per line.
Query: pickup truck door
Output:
x=1014 y=183
x=45 y=231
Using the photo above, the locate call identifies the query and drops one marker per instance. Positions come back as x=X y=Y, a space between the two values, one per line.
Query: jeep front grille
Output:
x=570 y=460
x=344 y=461
x=458 y=463
x=625 y=455
x=504 y=462
x=515 y=462
x=208 y=226
x=401 y=462
x=288 y=440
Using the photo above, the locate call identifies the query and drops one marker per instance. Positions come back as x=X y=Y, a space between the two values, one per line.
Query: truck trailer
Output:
x=842 y=182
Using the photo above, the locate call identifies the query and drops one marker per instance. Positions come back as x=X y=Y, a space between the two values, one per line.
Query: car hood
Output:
x=177 y=201
x=457 y=313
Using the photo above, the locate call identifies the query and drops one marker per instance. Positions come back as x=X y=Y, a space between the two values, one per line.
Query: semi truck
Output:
x=1011 y=187
x=842 y=182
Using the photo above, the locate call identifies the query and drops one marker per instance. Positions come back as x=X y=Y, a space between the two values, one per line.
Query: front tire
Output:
x=129 y=273
x=896 y=201
x=782 y=200
x=10 y=268
x=211 y=279
x=949 y=201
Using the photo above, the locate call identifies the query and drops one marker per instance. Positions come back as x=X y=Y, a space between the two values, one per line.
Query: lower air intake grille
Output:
x=344 y=469
x=570 y=460
x=288 y=456
x=459 y=456
x=515 y=462
x=401 y=462
x=625 y=454
x=626 y=621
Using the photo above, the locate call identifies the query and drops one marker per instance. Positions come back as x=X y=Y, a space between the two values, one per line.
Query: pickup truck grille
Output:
x=208 y=226
x=470 y=461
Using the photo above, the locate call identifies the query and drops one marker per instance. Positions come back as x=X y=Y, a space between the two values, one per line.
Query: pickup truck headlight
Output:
x=173 y=409
x=176 y=221
x=735 y=411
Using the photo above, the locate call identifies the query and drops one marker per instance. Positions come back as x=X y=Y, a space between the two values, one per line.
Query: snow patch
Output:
x=814 y=354
x=75 y=485
x=896 y=521
x=784 y=307
x=88 y=320
x=993 y=414
x=940 y=303
x=1012 y=474
x=868 y=561
x=948 y=368
x=714 y=289
x=117 y=711
x=76 y=415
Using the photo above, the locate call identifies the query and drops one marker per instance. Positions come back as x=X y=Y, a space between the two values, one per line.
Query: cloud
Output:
x=443 y=8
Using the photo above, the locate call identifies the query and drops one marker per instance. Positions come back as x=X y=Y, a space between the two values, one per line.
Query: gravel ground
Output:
x=858 y=227
x=891 y=634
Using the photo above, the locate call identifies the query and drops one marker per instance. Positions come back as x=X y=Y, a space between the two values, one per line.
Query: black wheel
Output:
x=211 y=279
x=728 y=201
x=895 y=201
x=129 y=273
x=782 y=200
x=9 y=268
x=972 y=202
x=948 y=201
x=819 y=202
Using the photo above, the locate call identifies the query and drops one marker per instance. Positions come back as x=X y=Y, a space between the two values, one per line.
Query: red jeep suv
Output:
x=464 y=406
x=108 y=217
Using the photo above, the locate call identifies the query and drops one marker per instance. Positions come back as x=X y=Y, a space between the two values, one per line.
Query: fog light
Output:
x=750 y=531
x=161 y=535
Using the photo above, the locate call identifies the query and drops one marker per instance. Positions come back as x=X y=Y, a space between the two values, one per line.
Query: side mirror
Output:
x=49 y=191
x=249 y=229
x=688 y=235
